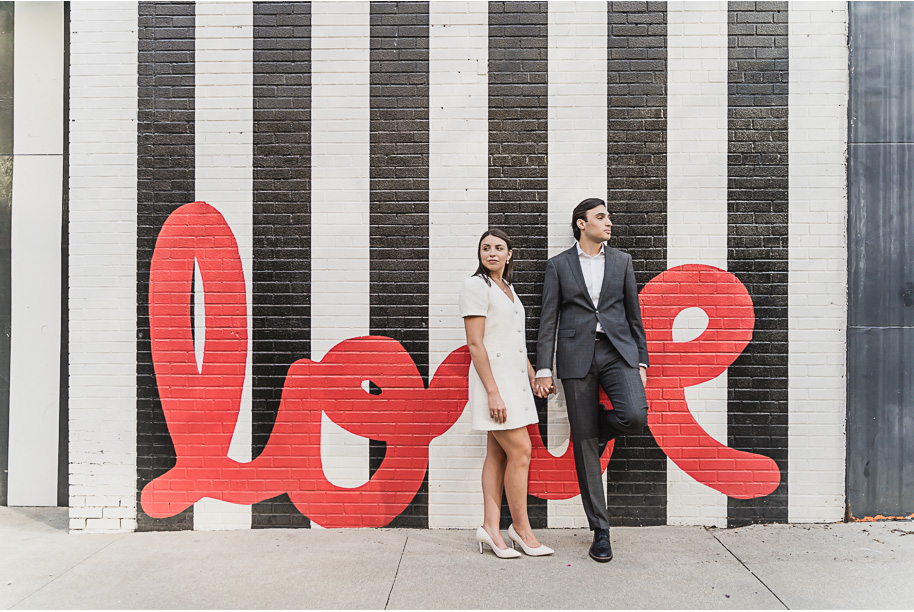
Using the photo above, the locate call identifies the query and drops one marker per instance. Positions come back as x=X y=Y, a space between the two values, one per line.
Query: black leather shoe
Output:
x=600 y=550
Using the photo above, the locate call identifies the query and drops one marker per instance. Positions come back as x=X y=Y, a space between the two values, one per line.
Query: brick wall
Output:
x=356 y=152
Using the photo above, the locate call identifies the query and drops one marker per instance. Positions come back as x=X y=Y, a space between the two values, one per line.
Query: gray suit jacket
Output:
x=568 y=310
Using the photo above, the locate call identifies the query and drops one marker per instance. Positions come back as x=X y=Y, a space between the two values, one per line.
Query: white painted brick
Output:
x=102 y=401
x=817 y=260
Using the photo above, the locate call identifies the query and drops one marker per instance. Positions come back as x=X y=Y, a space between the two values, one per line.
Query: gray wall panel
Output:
x=880 y=233
x=880 y=398
x=881 y=470
x=882 y=72
x=7 y=10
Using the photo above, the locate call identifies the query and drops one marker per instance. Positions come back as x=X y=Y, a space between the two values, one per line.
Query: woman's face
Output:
x=494 y=254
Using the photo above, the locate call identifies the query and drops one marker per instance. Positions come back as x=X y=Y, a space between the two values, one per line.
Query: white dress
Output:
x=505 y=342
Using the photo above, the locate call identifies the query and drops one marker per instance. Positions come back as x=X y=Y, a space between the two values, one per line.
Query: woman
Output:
x=500 y=396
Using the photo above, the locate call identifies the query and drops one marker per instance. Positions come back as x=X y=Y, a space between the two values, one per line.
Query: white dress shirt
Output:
x=593 y=268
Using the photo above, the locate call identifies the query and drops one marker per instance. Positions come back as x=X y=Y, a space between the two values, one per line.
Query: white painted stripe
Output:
x=458 y=215
x=340 y=132
x=102 y=260
x=577 y=163
x=224 y=129
x=817 y=289
x=36 y=233
x=697 y=212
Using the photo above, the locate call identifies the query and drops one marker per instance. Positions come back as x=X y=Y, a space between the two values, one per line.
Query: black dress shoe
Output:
x=600 y=550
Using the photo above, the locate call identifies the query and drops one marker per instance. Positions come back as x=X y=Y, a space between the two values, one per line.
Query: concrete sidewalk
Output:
x=771 y=567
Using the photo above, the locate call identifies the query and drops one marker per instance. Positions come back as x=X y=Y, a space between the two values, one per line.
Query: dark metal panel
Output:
x=880 y=393
x=880 y=233
x=7 y=10
x=880 y=467
x=63 y=431
x=882 y=72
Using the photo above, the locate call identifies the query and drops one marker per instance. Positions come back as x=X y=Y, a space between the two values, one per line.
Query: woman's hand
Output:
x=497 y=409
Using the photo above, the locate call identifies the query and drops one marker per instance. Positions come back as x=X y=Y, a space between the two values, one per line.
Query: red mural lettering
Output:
x=201 y=407
x=370 y=386
x=677 y=365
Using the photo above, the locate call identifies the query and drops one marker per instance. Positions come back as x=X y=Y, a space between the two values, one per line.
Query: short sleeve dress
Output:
x=505 y=343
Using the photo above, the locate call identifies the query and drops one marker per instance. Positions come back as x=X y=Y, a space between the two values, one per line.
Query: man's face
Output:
x=598 y=227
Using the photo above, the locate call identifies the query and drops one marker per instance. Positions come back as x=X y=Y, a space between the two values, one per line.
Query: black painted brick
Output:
x=165 y=181
x=636 y=188
x=398 y=281
x=281 y=309
x=518 y=146
x=757 y=240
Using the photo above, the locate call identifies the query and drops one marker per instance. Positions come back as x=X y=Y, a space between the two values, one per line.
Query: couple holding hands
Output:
x=590 y=307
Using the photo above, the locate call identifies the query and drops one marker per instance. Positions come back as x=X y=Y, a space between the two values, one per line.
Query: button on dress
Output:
x=504 y=340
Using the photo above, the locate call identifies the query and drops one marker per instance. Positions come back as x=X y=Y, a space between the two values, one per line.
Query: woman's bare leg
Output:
x=493 y=478
x=517 y=447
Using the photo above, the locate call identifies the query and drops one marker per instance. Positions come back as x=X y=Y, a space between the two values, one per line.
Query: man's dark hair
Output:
x=580 y=212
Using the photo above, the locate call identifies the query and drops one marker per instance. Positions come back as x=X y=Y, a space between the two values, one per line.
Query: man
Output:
x=591 y=300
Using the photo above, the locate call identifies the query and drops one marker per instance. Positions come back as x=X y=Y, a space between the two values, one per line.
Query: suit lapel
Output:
x=609 y=266
x=575 y=265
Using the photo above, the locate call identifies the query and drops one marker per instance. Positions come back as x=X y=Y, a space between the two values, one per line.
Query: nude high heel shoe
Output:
x=482 y=536
x=540 y=551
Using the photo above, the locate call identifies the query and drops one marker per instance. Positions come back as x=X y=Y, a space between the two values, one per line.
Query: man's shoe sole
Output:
x=600 y=559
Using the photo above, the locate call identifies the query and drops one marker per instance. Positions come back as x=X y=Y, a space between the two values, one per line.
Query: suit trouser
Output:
x=592 y=426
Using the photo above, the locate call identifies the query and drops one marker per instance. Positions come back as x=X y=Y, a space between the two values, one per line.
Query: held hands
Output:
x=497 y=409
x=543 y=387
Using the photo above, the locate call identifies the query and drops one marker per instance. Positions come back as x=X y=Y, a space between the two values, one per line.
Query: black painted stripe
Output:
x=637 y=191
x=518 y=172
x=165 y=181
x=282 y=222
x=7 y=22
x=399 y=195
x=757 y=241
x=63 y=441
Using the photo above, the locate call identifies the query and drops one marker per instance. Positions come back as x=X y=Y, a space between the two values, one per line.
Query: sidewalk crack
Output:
x=762 y=582
x=67 y=571
x=386 y=603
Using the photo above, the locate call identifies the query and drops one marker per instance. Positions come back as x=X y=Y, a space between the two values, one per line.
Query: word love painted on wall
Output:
x=370 y=386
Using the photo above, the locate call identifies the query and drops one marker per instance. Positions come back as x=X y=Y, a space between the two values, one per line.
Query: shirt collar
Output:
x=577 y=245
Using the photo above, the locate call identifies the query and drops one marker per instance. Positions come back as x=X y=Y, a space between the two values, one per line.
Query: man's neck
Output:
x=589 y=246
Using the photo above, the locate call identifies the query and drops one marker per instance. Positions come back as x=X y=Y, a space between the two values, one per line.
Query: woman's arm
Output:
x=476 y=328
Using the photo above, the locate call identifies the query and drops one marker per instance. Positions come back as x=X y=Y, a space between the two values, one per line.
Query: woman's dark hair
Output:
x=580 y=212
x=482 y=270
